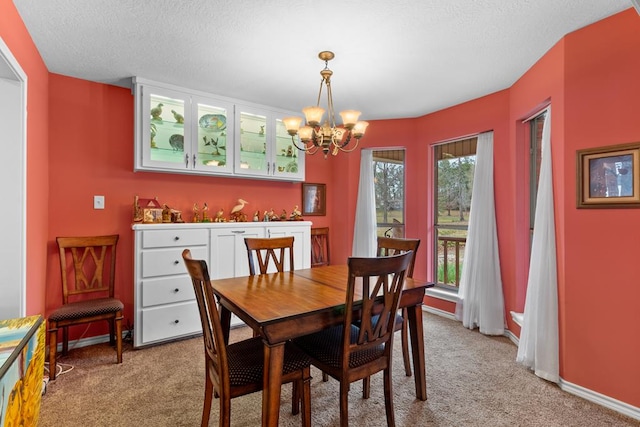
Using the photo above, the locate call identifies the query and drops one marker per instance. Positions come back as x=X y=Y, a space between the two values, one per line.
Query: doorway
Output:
x=13 y=95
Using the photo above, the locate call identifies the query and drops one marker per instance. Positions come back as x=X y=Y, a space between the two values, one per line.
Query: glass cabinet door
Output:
x=252 y=146
x=163 y=128
x=213 y=147
x=289 y=161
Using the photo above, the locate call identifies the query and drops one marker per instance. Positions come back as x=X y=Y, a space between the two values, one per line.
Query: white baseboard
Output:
x=601 y=399
x=439 y=312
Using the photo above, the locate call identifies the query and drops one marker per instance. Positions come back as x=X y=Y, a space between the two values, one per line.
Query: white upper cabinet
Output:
x=183 y=131
x=263 y=146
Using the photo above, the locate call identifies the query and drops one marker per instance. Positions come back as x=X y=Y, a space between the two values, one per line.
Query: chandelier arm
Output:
x=306 y=148
x=332 y=114
x=348 y=150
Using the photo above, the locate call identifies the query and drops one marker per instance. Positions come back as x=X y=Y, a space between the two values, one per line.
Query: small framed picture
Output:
x=314 y=199
x=608 y=177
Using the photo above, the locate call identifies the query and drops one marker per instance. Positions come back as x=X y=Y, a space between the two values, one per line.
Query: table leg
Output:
x=225 y=322
x=417 y=350
x=273 y=359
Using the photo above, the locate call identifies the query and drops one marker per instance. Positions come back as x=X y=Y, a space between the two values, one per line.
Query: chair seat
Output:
x=246 y=361
x=325 y=347
x=80 y=309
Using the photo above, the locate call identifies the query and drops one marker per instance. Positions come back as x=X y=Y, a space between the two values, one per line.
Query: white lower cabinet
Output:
x=165 y=305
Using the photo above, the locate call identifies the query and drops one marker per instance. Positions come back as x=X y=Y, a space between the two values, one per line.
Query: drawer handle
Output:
x=238 y=231
x=176 y=262
x=176 y=321
x=176 y=290
x=176 y=238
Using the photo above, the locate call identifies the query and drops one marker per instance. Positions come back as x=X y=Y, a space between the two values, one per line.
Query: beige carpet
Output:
x=472 y=380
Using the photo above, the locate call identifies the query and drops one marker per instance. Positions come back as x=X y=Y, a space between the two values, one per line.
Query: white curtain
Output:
x=538 y=346
x=480 y=298
x=364 y=234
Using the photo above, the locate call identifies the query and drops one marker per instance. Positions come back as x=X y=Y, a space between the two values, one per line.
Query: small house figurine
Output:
x=147 y=211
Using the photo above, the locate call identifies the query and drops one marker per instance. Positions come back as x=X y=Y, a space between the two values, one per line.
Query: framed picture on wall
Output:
x=608 y=177
x=314 y=199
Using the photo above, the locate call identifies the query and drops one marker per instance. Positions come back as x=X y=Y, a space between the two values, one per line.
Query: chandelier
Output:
x=326 y=137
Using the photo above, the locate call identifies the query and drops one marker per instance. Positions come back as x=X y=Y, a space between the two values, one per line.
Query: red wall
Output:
x=602 y=292
x=15 y=36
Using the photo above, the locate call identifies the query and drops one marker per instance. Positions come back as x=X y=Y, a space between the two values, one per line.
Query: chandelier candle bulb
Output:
x=349 y=118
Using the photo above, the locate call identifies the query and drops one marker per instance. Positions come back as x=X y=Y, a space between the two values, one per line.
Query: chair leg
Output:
x=53 y=346
x=65 y=340
x=344 y=404
x=208 y=397
x=112 y=332
x=118 y=322
x=306 y=397
x=295 y=396
x=225 y=411
x=405 y=342
x=366 y=387
x=388 y=398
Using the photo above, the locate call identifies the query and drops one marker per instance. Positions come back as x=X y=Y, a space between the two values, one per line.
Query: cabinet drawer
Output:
x=165 y=262
x=166 y=290
x=174 y=238
x=163 y=323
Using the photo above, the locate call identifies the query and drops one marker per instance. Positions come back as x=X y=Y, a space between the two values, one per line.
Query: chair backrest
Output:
x=214 y=347
x=87 y=265
x=378 y=283
x=393 y=246
x=319 y=246
x=265 y=250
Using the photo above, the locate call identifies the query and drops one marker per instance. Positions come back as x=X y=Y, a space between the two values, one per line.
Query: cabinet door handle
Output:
x=186 y=160
x=238 y=231
x=268 y=168
x=194 y=161
x=274 y=168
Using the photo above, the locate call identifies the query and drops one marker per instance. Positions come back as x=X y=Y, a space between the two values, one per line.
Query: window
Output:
x=454 y=169
x=535 y=157
x=388 y=170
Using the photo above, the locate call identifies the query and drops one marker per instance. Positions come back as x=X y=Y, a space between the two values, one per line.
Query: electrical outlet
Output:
x=98 y=202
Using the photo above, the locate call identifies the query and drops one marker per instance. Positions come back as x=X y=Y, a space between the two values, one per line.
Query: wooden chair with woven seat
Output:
x=349 y=353
x=266 y=250
x=393 y=246
x=269 y=249
x=87 y=266
x=319 y=246
x=236 y=369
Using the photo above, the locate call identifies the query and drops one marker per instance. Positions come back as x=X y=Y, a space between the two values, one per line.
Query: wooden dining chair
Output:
x=234 y=370
x=319 y=246
x=269 y=249
x=87 y=266
x=349 y=353
x=393 y=246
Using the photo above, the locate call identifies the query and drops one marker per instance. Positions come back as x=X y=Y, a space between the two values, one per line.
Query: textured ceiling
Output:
x=401 y=58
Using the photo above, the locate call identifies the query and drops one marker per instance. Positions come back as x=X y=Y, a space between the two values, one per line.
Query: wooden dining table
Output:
x=283 y=306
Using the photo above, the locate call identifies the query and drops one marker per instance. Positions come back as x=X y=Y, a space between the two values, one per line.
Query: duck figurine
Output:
x=156 y=112
x=179 y=117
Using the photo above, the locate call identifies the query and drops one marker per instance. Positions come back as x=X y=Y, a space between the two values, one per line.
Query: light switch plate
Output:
x=98 y=202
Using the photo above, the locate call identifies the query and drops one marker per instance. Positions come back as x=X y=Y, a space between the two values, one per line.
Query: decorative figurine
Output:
x=205 y=213
x=236 y=212
x=196 y=213
x=256 y=216
x=296 y=215
x=166 y=213
x=220 y=216
x=156 y=112
x=176 y=216
x=265 y=217
x=179 y=117
x=283 y=215
x=273 y=216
